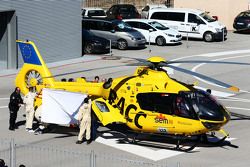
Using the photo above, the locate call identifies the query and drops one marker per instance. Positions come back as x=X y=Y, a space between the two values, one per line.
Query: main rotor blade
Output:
x=205 y=61
x=80 y=71
x=217 y=82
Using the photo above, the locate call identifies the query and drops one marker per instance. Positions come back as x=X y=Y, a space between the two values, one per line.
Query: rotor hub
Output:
x=33 y=82
x=156 y=59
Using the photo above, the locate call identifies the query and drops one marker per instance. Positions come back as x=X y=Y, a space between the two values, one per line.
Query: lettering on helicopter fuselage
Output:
x=131 y=106
x=121 y=104
x=137 y=116
x=161 y=119
x=184 y=123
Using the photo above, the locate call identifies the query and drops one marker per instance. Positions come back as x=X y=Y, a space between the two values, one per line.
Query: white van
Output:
x=190 y=22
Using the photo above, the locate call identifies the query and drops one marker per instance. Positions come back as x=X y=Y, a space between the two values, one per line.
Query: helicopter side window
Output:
x=182 y=108
x=156 y=102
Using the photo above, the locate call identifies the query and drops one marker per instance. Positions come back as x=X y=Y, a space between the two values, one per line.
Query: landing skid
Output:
x=178 y=146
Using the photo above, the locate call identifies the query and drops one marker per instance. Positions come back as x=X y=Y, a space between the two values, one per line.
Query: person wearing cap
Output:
x=28 y=101
x=84 y=118
x=14 y=105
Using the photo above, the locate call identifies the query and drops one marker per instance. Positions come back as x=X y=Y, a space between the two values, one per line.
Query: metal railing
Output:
x=106 y=4
x=40 y=156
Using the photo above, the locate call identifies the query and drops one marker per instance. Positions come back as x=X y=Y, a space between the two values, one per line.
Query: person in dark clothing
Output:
x=94 y=126
x=14 y=105
x=2 y=163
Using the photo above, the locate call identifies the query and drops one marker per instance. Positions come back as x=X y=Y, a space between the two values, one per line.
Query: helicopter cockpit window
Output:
x=205 y=106
x=156 y=102
x=182 y=108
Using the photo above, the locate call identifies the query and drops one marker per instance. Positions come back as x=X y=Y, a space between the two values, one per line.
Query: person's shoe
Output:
x=37 y=132
x=88 y=141
x=11 y=128
x=78 y=142
x=30 y=130
x=27 y=129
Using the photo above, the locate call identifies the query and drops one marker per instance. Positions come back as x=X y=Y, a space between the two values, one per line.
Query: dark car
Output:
x=242 y=21
x=118 y=32
x=94 y=44
x=123 y=11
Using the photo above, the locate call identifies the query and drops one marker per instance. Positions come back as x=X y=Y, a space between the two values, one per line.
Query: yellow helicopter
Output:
x=149 y=101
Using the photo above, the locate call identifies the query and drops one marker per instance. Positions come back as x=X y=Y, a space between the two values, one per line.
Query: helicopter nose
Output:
x=227 y=116
x=211 y=125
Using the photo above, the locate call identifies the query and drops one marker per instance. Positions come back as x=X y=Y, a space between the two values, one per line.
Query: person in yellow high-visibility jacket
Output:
x=84 y=118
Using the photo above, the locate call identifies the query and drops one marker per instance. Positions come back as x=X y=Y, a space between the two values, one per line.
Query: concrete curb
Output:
x=85 y=58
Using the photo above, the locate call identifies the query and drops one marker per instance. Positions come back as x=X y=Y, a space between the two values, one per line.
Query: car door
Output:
x=194 y=25
x=144 y=29
x=104 y=29
x=149 y=31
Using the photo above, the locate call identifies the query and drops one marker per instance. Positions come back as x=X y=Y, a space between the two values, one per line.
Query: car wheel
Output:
x=208 y=37
x=160 y=41
x=88 y=48
x=122 y=44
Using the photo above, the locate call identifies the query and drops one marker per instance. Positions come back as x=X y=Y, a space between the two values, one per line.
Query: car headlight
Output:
x=218 y=30
x=170 y=35
x=133 y=38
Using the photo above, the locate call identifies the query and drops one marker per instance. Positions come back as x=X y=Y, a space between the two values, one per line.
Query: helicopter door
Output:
x=158 y=107
x=106 y=113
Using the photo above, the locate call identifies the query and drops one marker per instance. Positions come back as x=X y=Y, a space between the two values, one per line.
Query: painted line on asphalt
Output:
x=235 y=99
x=3 y=107
x=142 y=151
x=238 y=108
x=210 y=83
x=217 y=93
x=139 y=150
x=217 y=54
x=4 y=98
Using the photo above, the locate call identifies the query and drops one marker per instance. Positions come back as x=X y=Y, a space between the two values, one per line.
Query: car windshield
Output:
x=127 y=10
x=96 y=13
x=158 y=26
x=207 y=17
x=122 y=26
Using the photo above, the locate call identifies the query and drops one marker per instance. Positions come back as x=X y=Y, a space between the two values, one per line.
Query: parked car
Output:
x=94 y=44
x=93 y=12
x=242 y=21
x=123 y=11
x=147 y=8
x=190 y=22
x=121 y=35
x=155 y=32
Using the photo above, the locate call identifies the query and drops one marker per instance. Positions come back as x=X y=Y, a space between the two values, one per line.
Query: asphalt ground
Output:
x=235 y=49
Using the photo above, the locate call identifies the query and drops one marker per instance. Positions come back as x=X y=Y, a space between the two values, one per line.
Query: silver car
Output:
x=121 y=34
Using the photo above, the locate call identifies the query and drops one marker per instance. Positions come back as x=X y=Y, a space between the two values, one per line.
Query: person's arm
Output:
x=80 y=114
